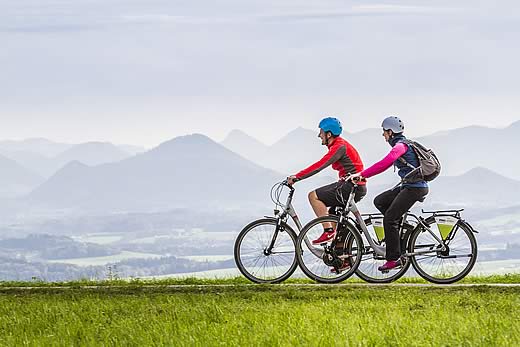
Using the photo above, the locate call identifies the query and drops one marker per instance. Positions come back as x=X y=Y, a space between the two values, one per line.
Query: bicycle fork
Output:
x=269 y=250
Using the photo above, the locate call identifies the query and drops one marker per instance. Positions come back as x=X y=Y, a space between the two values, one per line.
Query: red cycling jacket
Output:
x=343 y=157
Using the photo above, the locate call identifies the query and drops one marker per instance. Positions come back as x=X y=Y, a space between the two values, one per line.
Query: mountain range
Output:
x=39 y=146
x=40 y=158
x=16 y=180
x=459 y=150
x=302 y=147
x=478 y=188
x=474 y=146
x=197 y=172
x=189 y=171
x=296 y=150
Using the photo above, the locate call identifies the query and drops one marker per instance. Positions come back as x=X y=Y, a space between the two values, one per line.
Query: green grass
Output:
x=137 y=315
x=508 y=278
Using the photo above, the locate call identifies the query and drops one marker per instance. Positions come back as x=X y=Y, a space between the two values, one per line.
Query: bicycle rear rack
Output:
x=443 y=211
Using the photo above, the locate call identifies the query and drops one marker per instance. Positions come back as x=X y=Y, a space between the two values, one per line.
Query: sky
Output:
x=143 y=72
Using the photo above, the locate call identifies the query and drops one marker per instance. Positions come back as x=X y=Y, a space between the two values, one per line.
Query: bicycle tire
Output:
x=368 y=267
x=315 y=267
x=419 y=262
x=269 y=270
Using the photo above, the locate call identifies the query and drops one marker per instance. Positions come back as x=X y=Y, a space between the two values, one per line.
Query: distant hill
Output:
x=46 y=157
x=41 y=146
x=45 y=246
x=469 y=147
x=91 y=153
x=477 y=187
x=131 y=149
x=288 y=155
x=16 y=179
x=459 y=150
x=189 y=171
x=245 y=145
x=301 y=147
x=295 y=151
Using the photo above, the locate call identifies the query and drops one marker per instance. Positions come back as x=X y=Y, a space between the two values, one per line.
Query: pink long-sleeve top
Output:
x=397 y=151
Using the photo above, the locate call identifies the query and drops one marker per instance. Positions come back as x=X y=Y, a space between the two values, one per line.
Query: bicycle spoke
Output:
x=311 y=259
x=260 y=263
x=445 y=264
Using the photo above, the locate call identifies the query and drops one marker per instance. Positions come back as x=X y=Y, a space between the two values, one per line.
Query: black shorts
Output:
x=329 y=194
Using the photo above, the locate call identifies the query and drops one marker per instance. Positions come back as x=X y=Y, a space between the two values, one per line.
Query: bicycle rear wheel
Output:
x=320 y=262
x=450 y=265
x=253 y=257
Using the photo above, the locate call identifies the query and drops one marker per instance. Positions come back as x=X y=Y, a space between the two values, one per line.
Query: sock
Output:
x=328 y=230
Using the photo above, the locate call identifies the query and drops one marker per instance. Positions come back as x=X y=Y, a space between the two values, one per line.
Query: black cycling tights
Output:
x=393 y=204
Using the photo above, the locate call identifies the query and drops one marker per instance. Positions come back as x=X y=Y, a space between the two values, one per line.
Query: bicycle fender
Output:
x=466 y=224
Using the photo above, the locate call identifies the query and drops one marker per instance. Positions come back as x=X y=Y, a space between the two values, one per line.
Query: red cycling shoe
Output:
x=325 y=237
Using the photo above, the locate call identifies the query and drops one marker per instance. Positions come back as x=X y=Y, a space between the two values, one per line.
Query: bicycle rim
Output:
x=444 y=267
x=251 y=257
x=367 y=269
x=311 y=257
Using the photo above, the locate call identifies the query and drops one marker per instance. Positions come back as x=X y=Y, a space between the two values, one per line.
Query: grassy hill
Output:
x=137 y=313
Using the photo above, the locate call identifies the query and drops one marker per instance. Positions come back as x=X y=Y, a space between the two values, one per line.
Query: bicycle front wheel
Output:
x=443 y=266
x=370 y=261
x=326 y=263
x=265 y=252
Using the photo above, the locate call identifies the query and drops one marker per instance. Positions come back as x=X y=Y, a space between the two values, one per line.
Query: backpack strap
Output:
x=401 y=159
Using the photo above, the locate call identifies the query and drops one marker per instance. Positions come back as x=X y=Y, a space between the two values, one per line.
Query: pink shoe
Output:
x=325 y=237
x=389 y=265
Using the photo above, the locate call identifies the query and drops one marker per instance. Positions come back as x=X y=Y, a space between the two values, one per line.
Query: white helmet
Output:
x=393 y=123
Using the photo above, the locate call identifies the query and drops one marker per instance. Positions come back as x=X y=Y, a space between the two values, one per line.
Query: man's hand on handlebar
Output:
x=291 y=180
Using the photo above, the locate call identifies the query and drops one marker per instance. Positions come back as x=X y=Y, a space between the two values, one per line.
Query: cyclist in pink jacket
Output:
x=394 y=203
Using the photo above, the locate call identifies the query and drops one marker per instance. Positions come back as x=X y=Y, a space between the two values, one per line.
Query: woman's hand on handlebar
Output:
x=355 y=178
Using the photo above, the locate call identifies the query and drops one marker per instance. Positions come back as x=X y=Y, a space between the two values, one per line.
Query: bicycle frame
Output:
x=424 y=223
x=381 y=250
x=281 y=217
x=352 y=207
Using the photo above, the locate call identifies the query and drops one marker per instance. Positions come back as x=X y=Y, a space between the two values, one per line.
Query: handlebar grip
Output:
x=359 y=179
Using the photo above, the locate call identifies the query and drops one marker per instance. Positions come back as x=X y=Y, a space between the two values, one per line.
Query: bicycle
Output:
x=423 y=249
x=265 y=249
x=441 y=256
x=327 y=268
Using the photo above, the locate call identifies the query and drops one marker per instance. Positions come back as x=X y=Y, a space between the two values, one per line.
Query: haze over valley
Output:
x=70 y=211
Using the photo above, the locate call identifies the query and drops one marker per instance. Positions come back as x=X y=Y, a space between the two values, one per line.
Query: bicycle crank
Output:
x=331 y=259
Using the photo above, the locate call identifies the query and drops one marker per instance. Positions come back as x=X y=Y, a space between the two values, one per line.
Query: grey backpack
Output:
x=429 y=165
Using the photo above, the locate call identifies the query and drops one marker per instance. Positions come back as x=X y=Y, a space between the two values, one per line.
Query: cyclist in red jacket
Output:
x=345 y=159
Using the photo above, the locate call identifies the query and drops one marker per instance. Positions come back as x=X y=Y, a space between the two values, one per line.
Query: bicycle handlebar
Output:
x=355 y=181
x=285 y=182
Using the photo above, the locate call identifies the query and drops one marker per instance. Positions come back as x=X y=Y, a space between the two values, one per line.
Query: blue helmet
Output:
x=331 y=124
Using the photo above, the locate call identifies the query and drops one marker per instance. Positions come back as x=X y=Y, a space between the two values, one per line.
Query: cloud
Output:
x=176 y=19
x=398 y=9
x=361 y=11
x=82 y=16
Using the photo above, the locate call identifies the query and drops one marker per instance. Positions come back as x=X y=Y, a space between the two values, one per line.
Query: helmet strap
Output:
x=328 y=136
